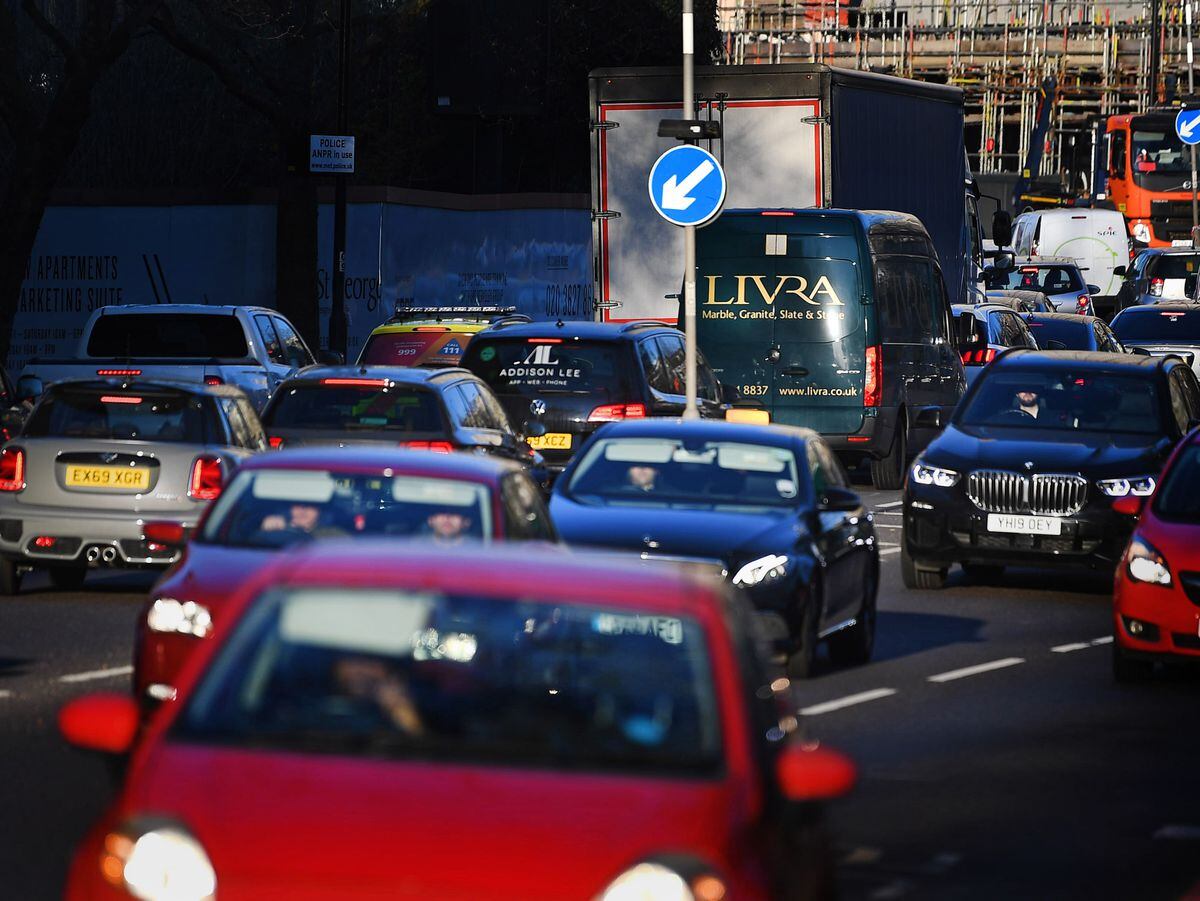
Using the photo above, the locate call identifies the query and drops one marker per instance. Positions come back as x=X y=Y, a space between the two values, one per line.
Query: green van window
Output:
x=907 y=295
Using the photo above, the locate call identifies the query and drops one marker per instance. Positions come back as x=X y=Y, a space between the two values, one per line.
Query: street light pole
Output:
x=337 y=311
x=689 y=232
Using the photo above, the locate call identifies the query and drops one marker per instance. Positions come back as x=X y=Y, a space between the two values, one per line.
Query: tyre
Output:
x=803 y=656
x=920 y=577
x=887 y=474
x=853 y=646
x=10 y=577
x=983 y=573
x=68 y=578
x=1128 y=669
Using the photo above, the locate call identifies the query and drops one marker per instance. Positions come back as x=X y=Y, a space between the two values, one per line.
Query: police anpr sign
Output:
x=331 y=153
x=687 y=185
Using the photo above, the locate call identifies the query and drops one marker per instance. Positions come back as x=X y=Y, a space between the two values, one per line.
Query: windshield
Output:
x=653 y=471
x=1063 y=400
x=538 y=366
x=1179 y=497
x=1157 y=149
x=380 y=406
x=124 y=415
x=274 y=508
x=1158 y=326
x=512 y=681
x=1046 y=279
x=152 y=335
x=1070 y=334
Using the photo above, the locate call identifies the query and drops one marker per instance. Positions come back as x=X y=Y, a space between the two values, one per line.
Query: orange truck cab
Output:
x=1149 y=177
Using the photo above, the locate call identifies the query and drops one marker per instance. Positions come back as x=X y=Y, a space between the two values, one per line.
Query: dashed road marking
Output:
x=884 y=525
x=97 y=674
x=848 y=701
x=976 y=670
x=897 y=888
x=5 y=693
x=889 y=504
x=888 y=513
x=1104 y=639
x=894 y=549
x=1178 y=833
x=1073 y=646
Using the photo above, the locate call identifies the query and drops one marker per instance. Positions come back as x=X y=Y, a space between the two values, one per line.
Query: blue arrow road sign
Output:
x=1187 y=126
x=687 y=185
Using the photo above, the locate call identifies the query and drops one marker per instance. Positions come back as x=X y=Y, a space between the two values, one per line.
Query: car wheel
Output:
x=853 y=646
x=917 y=576
x=983 y=573
x=803 y=656
x=68 y=578
x=887 y=473
x=10 y=577
x=1129 y=669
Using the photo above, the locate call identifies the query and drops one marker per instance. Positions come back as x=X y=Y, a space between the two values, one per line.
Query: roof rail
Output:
x=643 y=323
x=512 y=319
x=404 y=310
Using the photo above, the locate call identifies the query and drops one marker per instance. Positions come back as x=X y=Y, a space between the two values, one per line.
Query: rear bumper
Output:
x=873 y=439
x=85 y=538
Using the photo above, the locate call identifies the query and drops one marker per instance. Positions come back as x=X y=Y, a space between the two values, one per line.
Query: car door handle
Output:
x=797 y=371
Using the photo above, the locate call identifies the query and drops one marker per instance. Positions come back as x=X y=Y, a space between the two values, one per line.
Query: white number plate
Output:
x=1021 y=524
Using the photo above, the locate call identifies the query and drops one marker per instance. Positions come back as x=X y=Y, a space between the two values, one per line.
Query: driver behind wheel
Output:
x=1028 y=402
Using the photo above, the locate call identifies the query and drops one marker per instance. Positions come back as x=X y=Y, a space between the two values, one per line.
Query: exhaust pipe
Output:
x=109 y=555
x=93 y=554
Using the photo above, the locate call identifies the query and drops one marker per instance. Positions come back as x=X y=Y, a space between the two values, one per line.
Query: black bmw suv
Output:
x=1026 y=472
x=574 y=376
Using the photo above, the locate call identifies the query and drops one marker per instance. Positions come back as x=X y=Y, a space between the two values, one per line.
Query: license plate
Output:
x=551 y=441
x=119 y=478
x=1021 y=524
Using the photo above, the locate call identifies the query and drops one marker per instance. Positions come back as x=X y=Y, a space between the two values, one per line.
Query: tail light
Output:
x=275 y=441
x=978 y=357
x=613 y=412
x=12 y=469
x=1084 y=304
x=438 y=447
x=1156 y=286
x=207 y=476
x=213 y=380
x=873 y=383
x=109 y=372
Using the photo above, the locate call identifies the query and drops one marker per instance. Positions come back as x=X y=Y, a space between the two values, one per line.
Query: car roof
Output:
x=135 y=384
x=402 y=375
x=1059 y=317
x=1175 y=306
x=575 y=328
x=710 y=430
x=1080 y=211
x=986 y=307
x=1047 y=261
x=202 y=308
x=371 y=460
x=1171 y=251
x=613 y=580
x=1026 y=358
x=447 y=324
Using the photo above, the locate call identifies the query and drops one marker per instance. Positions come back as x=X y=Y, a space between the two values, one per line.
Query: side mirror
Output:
x=1120 y=270
x=534 y=428
x=729 y=394
x=1002 y=234
x=330 y=358
x=1139 y=351
x=169 y=534
x=1129 y=505
x=1055 y=345
x=1004 y=263
x=814 y=774
x=29 y=387
x=986 y=274
x=929 y=418
x=1093 y=290
x=105 y=721
x=1189 y=287
x=11 y=421
x=966 y=330
x=838 y=500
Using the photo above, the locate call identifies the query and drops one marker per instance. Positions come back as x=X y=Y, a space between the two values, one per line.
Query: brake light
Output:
x=778 y=213
x=12 y=469
x=1156 y=286
x=45 y=541
x=119 y=399
x=275 y=441
x=118 y=372
x=359 y=383
x=545 y=340
x=978 y=357
x=614 y=412
x=206 y=480
x=1083 y=304
x=873 y=382
x=213 y=380
x=438 y=447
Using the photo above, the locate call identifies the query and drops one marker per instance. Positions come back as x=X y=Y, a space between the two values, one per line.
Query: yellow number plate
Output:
x=551 y=441
x=121 y=478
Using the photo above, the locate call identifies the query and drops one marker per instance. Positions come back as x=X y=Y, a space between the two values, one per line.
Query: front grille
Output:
x=998 y=491
x=1171 y=219
x=1186 y=640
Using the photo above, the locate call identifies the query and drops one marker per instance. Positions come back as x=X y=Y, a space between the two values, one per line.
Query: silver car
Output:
x=96 y=459
x=1059 y=278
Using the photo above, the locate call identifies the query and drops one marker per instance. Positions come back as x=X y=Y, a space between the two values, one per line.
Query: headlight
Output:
x=159 y=864
x=1141 y=232
x=934 y=475
x=770 y=567
x=648 y=882
x=1145 y=564
x=1142 y=486
x=184 y=617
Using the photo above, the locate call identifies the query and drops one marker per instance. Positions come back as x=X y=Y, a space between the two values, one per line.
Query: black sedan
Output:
x=1027 y=470
x=1067 y=331
x=768 y=507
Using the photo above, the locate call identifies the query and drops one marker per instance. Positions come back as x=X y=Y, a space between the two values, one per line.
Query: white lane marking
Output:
x=976 y=670
x=896 y=889
x=1179 y=832
x=884 y=525
x=5 y=693
x=848 y=701
x=890 y=550
x=97 y=674
x=1068 y=648
x=1107 y=639
x=888 y=513
x=889 y=504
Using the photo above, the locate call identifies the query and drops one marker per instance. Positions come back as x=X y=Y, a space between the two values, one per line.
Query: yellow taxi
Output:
x=427 y=336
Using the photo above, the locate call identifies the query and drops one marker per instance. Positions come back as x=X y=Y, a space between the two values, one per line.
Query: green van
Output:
x=837 y=320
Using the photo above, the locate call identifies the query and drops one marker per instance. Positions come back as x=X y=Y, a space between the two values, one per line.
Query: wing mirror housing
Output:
x=330 y=358
x=729 y=394
x=1120 y=270
x=838 y=500
x=1139 y=351
x=1093 y=290
x=814 y=773
x=929 y=418
x=1129 y=505
x=966 y=330
x=104 y=721
x=1002 y=233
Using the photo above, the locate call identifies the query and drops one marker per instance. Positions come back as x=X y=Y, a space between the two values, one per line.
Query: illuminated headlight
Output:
x=1145 y=564
x=933 y=475
x=159 y=864
x=770 y=567
x=648 y=882
x=184 y=617
x=1141 y=232
x=1142 y=486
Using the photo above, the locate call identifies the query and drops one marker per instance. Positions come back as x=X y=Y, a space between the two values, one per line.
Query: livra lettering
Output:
x=821 y=294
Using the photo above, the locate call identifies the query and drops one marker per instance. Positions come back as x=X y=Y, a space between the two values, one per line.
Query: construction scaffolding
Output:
x=998 y=51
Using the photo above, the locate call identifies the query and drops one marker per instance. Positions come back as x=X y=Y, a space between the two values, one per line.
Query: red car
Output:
x=1156 y=601
x=277 y=500
x=388 y=721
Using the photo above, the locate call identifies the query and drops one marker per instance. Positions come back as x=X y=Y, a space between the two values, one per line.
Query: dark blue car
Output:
x=768 y=507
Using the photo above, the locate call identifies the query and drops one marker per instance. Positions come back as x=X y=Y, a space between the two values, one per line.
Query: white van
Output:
x=1095 y=239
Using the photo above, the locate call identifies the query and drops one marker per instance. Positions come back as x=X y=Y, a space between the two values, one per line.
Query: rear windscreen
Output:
x=125 y=415
x=1072 y=335
x=1046 y=279
x=536 y=366
x=1173 y=266
x=1163 y=326
x=167 y=335
x=414 y=348
x=356 y=408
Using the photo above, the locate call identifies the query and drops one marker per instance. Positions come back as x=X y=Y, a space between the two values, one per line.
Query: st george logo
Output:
x=542 y=356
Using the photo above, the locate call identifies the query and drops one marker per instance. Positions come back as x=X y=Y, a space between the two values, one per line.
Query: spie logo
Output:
x=542 y=355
